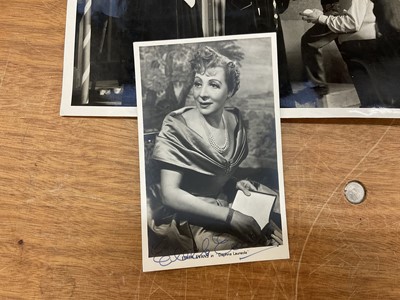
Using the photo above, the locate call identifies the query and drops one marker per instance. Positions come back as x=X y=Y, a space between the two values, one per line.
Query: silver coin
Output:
x=355 y=192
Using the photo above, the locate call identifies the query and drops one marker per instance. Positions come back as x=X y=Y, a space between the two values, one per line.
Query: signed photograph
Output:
x=343 y=57
x=210 y=151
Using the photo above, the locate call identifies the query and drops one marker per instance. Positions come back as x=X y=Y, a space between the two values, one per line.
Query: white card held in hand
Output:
x=257 y=205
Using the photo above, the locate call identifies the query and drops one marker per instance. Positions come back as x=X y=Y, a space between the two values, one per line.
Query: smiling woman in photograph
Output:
x=198 y=150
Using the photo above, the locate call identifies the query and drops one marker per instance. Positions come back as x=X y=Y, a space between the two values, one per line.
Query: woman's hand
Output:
x=245 y=186
x=277 y=238
x=246 y=228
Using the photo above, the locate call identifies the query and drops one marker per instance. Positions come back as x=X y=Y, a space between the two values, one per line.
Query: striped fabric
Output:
x=213 y=17
x=86 y=52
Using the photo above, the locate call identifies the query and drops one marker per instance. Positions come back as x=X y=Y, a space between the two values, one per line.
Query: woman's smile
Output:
x=204 y=105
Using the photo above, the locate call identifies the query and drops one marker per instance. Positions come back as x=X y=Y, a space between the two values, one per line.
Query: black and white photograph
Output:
x=98 y=75
x=335 y=58
x=210 y=151
x=343 y=57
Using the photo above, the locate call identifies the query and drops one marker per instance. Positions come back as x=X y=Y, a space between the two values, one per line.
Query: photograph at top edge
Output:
x=335 y=58
x=100 y=76
x=342 y=54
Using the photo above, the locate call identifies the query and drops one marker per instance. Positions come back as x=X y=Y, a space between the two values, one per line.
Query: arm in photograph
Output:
x=351 y=19
x=173 y=196
x=180 y=200
x=311 y=15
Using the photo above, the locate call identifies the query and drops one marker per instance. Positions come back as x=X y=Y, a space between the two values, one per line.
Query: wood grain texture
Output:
x=69 y=195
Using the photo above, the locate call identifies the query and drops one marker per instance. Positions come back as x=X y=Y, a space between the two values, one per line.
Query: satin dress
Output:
x=207 y=174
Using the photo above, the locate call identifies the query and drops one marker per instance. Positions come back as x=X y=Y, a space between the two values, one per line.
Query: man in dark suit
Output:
x=387 y=14
x=246 y=16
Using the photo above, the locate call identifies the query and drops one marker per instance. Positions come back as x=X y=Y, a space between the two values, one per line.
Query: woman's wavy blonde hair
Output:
x=206 y=58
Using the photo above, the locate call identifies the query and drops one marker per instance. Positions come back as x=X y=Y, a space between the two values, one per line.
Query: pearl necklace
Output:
x=213 y=143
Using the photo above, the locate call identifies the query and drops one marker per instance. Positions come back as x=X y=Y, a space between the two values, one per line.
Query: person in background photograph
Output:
x=312 y=42
x=356 y=40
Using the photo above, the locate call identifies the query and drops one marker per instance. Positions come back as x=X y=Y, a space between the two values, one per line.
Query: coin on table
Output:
x=355 y=192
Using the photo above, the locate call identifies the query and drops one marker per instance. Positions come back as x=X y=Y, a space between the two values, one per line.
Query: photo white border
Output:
x=200 y=259
x=321 y=113
x=66 y=107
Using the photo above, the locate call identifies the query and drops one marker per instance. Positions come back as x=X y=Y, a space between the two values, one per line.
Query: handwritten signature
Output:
x=214 y=246
x=164 y=261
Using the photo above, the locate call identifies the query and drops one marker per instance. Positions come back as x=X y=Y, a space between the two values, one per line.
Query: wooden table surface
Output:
x=69 y=188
